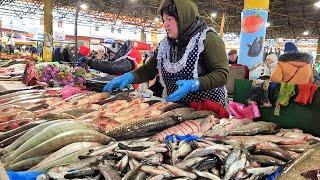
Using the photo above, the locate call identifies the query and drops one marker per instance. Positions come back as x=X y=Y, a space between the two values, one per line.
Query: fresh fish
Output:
x=122 y=164
x=154 y=171
x=299 y=148
x=157 y=177
x=232 y=157
x=25 y=164
x=141 y=176
x=262 y=170
x=63 y=139
x=55 y=116
x=141 y=128
x=20 y=129
x=46 y=134
x=178 y=112
x=66 y=160
x=105 y=149
x=69 y=149
x=208 y=123
x=131 y=148
x=268 y=160
x=157 y=149
x=82 y=173
x=91 y=161
x=154 y=159
x=11 y=139
x=208 y=150
x=78 y=112
x=209 y=163
x=132 y=173
x=179 y=172
x=32 y=132
x=254 y=128
x=188 y=163
x=170 y=107
x=136 y=154
x=152 y=102
x=109 y=173
x=184 y=149
x=206 y=175
x=276 y=153
x=235 y=167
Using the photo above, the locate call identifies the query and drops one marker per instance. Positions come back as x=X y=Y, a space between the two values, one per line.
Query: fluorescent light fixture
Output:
x=317 y=4
x=214 y=15
x=306 y=33
x=84 y=6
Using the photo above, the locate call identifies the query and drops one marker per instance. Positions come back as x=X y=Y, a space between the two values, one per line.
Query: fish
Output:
x=184 y=149
x=108 y=172
x=170 y=106
x=78 y=112
x=81 y=173
x=188 y=163
x=276 y=153
x=232 y=157
x=55 y=116
x=33 y=131
x=63 y=139
x=209 y=163
x=254 y=128
x=178 y=111
x=11 y=139
x=309 y=161
x=69 y=149
x=25 y=164
x=154 y=171
x=299 y=148
x=153 y=159
x=45 y=134
x=185 y=128
x=136 y=154
x=262 y=170
x=235 y=167
x=70 y=166
x=257 y=139
x=179 y=172
x=132 y=173
x=206 y=175
x=20 y=129
x=122 y=164
x=17 y=115
x=268 y=160
x=105 y=149
x=152 y=102
x=141 y=128
x=208 y=150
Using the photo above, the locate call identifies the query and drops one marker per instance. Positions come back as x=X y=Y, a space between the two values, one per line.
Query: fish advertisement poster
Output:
x=252 y=38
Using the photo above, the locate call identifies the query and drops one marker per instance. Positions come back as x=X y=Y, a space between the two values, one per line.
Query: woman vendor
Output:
x=191 y=61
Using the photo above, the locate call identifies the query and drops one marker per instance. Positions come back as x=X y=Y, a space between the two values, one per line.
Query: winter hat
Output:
x=290 y=47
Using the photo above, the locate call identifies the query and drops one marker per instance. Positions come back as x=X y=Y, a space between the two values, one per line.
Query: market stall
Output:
x=70 y=132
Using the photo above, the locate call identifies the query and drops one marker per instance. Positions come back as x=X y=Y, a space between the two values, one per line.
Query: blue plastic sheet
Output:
x=23 y=175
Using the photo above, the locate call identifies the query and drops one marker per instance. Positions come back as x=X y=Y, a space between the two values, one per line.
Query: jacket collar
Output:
x=295 y=56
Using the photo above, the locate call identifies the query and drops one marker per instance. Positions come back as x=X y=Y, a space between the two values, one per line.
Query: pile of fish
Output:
x=175 y=159
x=90 y=135
x=43 y=138
x=12 y=70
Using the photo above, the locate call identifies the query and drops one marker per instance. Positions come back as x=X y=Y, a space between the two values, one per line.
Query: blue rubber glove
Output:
x=184 y=87
x=25 y=175
x=119 y=82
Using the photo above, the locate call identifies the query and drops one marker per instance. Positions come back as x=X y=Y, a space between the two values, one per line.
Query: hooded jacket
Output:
x=293 y=67
x=213 y=61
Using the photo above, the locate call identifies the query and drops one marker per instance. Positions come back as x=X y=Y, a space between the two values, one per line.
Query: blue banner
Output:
x=252 y=37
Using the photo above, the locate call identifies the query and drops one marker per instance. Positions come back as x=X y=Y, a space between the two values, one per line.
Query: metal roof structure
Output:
x=288 y=18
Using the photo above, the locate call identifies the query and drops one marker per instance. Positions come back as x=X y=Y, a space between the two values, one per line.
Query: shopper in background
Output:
x=268 y=66
x=293 y=66
x=191 y=61
x=119 y=61
x=233 y=56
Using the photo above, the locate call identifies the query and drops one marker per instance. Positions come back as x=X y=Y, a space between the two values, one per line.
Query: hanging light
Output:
x=268 y=24
x=214 y=15
x=317 y=4
x=306 y=33
x=84 y=6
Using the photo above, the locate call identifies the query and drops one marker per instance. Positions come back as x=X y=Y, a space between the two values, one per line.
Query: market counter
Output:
x=294 y=115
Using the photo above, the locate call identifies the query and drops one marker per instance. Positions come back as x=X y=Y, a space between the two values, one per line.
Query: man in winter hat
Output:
x=290 y=47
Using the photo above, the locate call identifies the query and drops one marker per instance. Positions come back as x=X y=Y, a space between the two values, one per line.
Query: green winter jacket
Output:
x=213 y=58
